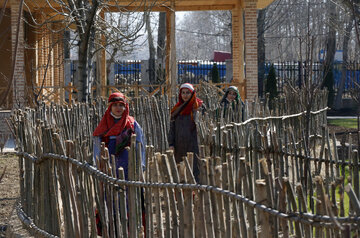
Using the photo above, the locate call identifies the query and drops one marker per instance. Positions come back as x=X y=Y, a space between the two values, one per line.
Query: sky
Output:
x=142 y=49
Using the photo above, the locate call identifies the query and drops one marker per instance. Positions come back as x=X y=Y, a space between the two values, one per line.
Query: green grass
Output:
x=348 y=123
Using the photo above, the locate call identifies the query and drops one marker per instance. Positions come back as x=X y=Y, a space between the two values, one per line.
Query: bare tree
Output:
x=160 y=50
x=328 y=80
x=344 y=67
x=353 y=8
x=95 y=28
x=207 y=31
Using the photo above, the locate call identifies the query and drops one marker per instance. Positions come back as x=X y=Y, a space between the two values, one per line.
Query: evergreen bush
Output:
x=215 y=76
x=271 y=85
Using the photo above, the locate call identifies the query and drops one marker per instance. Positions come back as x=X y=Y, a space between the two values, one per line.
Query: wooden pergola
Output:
x=32 y=63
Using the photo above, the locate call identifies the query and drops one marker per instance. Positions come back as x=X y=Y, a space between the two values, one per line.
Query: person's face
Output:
x=117 y=109
x=185 y=94
x=231 y=95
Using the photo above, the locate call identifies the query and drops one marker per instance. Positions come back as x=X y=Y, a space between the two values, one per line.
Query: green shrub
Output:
x=271 y=85
x=215 y=76
x=329 y=84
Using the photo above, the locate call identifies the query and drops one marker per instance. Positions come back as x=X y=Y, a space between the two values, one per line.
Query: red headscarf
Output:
x=193 y=104
x=107 y=126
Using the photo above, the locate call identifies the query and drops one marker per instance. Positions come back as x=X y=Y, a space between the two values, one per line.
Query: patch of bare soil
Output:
x=341 y=132
x=9 y=188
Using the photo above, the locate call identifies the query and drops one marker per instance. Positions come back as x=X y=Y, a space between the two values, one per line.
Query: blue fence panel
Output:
x=188 y=71
x=196 y=71
x=352 y=75
x=127 y=72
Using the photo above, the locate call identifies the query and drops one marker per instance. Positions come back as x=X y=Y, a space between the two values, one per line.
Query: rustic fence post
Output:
x=178 y=192
x=207 y=199
x=157 y=198
x=263 y=218
x=227 y=201
x=167 y=196
x=291 y=197
x=214 y=203
x=123 y=205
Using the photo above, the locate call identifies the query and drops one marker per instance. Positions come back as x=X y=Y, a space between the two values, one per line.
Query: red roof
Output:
x=221 y=56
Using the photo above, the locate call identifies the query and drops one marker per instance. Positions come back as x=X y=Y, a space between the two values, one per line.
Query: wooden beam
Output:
x=153 y=8
x=131 y=5
x=263 y=3
x=170 y=64
x=177 y=8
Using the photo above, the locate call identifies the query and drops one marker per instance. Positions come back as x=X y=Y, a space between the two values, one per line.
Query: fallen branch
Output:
x=2 y=175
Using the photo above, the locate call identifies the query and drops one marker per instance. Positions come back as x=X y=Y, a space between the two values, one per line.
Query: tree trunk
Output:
x=151 y=49
x=261 y=50
x=161 y=38
x=82 y=70
x=160 y=75
x=338 y=100
x=330 y=52
x=85 y=21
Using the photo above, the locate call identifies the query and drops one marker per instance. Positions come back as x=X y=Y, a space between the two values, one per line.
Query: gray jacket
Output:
x=183 y=136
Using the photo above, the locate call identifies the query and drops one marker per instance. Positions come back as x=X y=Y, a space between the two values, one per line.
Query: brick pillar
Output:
x=251 y=68
x=238 y=48
x=58 y=52
x=18 y=86
x=45 y=58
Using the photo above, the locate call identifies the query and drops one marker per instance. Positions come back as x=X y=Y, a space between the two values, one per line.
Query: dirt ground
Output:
x=343 y=131
x=9 y=186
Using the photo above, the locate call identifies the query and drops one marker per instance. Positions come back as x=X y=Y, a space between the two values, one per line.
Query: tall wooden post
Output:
x=170 y=67
x=101 y=74
x=238 y=48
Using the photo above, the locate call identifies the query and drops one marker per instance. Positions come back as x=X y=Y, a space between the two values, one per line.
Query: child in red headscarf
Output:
x=183 y=136
x=115 y=129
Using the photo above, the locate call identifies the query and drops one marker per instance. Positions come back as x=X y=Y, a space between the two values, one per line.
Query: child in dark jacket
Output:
x=183 y=135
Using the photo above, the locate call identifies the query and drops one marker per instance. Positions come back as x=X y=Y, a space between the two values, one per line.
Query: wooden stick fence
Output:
x=257 y=178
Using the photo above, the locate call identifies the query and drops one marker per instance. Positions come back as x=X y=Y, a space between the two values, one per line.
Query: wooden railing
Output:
x=255 y=180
